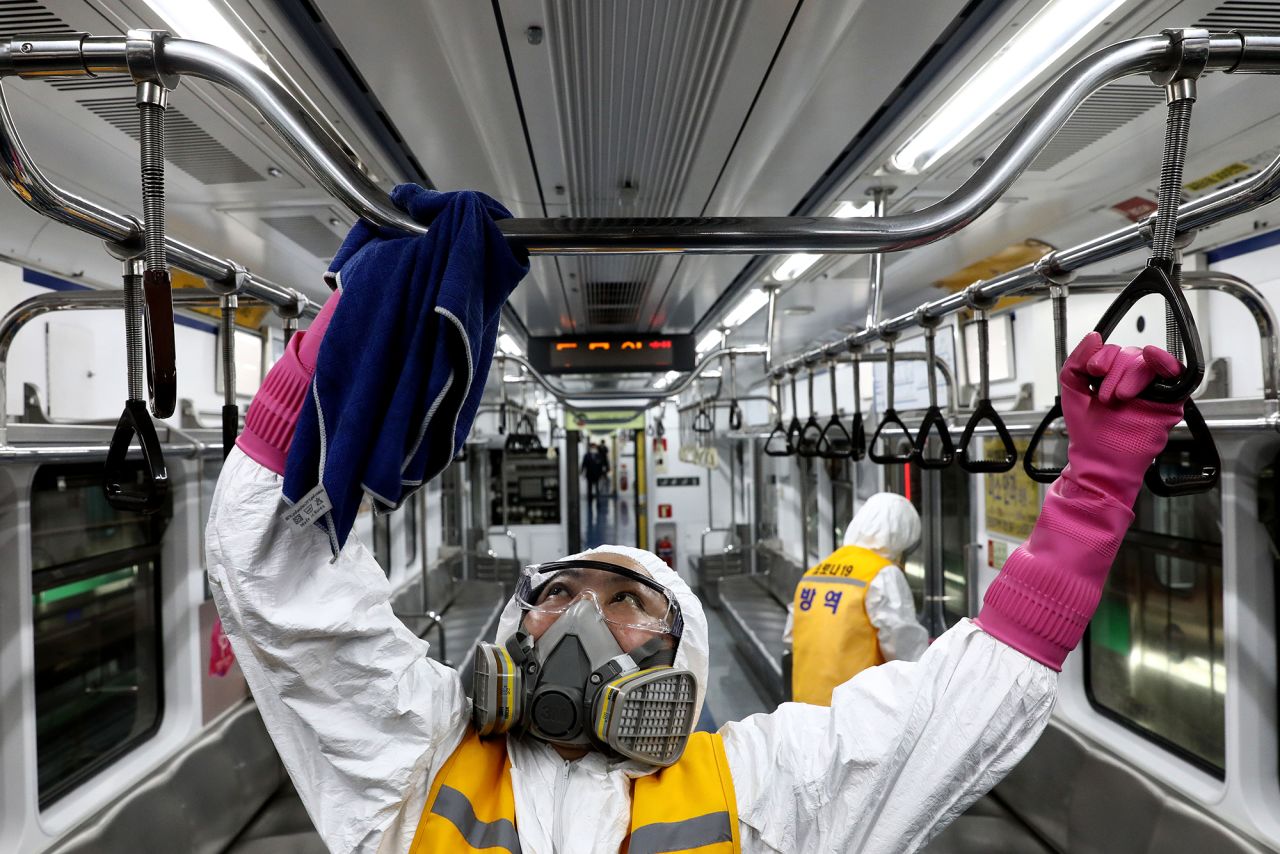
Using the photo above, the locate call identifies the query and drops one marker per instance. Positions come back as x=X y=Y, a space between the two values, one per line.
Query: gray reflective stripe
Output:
x=835 y=579
x=682 y=835
x=454 y=806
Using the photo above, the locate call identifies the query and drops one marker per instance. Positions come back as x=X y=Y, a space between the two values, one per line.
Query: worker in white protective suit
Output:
x=854 y=609
x=386 y=751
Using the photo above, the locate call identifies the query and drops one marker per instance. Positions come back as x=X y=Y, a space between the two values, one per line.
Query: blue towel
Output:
x=403 y=364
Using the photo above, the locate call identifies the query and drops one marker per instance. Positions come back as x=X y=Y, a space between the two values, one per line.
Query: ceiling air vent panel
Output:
x=187 y=145
x=309 y=232
x=613 y=303
x=1105 y=111
x=19 y=17
x=1243 y=15
x=90 y=84
x=634 y=84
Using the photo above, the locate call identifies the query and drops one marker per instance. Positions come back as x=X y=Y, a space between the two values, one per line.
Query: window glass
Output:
x=841 y=475
x=810 y=522
x=956 y=529
x=95 y=617
x=769 y=469
x=381 y=545
x=412 y=522
x=1155 y=648
x=212 y=468
x=1269 y=516
x=905 y=480
x=71 y=520
x=451 y=505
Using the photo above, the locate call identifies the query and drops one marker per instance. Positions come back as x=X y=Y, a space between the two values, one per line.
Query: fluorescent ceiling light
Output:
x=666 y=379
x=508 y=345
x=710 y=341
x=794 y=266
x=846 y=209
x=1054 y=30
x=201 y=20
x=754 y=300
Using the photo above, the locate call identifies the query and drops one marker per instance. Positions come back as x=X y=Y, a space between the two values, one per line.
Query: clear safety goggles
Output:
x=623 y=596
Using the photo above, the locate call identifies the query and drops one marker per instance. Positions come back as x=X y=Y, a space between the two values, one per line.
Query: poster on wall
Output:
x=1012 y=498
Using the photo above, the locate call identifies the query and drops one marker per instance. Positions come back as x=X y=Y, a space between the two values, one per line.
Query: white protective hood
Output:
x=693 y=649
x=886 y=524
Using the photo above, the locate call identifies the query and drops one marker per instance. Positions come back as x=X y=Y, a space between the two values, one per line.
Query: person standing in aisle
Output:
x=856 y=602
x=592 y=468
x=606 y=471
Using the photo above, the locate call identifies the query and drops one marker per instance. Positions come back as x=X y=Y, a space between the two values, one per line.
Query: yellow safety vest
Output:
x=832 y=638
x=688 y=807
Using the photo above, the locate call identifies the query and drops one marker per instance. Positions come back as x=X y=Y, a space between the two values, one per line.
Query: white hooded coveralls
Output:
x=888 y=525
x=364 y=720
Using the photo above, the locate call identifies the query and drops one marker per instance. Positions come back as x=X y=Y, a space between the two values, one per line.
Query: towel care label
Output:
x=312 y=506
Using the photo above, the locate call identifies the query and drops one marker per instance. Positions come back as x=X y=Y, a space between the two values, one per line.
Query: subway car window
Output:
x=840 y=473
x=905 y=480
x=412 y=525
x=381 y=545
x=1155 y=647
x=806 y=471
x=1269 y=516
x=956 y=526
x=451 y=507
x=210 y=470
x=770 y=469
x=95 y=606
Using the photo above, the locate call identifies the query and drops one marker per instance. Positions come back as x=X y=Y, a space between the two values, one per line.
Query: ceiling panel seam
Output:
x=953 y=38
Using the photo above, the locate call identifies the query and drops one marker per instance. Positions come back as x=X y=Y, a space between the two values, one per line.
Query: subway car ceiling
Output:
x=738 y=109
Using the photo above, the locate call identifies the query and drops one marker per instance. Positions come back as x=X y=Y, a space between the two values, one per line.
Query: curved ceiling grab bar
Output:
x=38 y=192
x=325 y=159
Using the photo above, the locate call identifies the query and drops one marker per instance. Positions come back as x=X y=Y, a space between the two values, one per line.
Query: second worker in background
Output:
x=854 y=610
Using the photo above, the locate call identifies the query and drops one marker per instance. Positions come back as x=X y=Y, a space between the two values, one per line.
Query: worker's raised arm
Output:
x=906 y=747
x=359 y=714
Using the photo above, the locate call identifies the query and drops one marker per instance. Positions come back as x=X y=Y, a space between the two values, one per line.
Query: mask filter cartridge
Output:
x=648 y=715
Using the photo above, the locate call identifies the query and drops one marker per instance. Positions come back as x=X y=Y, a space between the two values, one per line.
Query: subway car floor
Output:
x=607 y=520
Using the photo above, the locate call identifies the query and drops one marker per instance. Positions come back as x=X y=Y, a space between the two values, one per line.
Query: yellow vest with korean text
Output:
x=832 y=638
x=688 y=807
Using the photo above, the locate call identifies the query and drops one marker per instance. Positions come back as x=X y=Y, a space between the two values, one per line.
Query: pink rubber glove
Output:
x=1050 y=586
x=273 y=413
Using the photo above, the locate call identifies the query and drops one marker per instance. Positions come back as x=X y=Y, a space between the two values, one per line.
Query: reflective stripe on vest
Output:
x=832 y=638
x=471 y=806
x=454 y=806
x=688 y=807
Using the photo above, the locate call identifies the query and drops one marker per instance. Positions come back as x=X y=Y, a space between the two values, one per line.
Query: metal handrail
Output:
x=654 y=396
x=1267 y=421
x=714 y=403
x=325 y=159
x=41 y=304
x=42 y=195
x=333 y=169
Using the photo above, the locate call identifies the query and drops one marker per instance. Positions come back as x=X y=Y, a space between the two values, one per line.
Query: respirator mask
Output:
x=575 y=685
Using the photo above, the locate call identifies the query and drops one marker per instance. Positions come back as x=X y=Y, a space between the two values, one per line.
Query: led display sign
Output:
x=590 y=354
